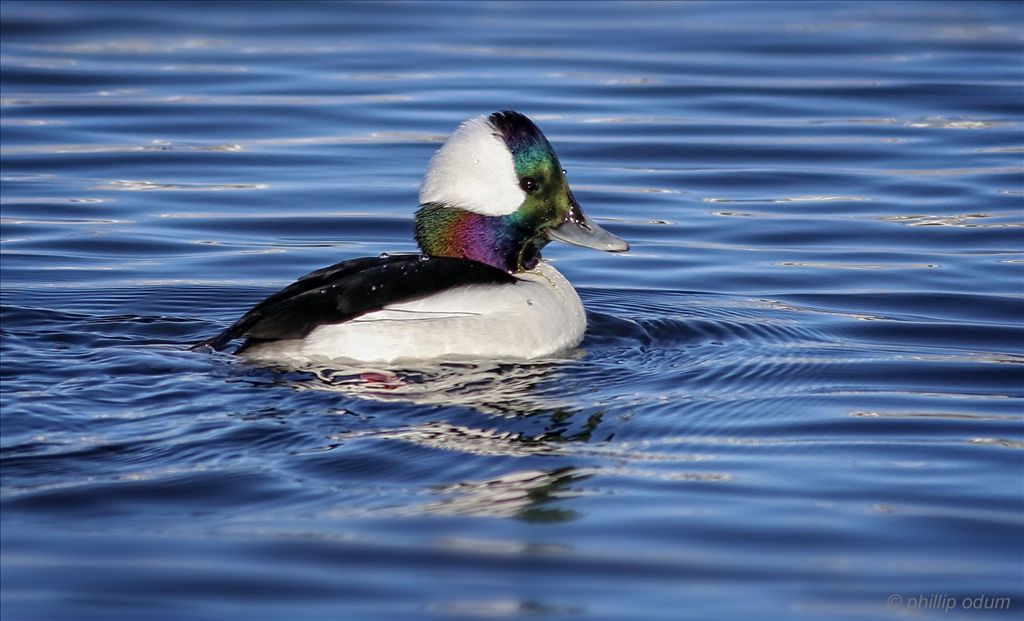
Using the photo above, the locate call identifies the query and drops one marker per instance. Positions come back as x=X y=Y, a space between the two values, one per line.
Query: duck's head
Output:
x=495 y=193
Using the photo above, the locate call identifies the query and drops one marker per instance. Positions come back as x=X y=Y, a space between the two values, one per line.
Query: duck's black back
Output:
x=352 y=288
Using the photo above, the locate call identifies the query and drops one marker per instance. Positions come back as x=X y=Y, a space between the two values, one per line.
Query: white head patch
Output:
x=474 y=170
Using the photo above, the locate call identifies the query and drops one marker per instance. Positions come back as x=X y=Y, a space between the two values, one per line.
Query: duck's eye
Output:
x=528 y=184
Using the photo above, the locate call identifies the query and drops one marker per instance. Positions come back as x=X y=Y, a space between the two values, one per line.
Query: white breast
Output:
x=538 y=316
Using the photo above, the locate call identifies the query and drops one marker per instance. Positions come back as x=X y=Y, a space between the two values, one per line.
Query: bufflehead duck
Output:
x=493 y=196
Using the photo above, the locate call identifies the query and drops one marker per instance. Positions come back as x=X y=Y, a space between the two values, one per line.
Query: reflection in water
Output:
x=475 y=441
x=512 y=391
x=787 y=199
x=525 y=494
x=933 y=122
x=856 y=266
x=149 y=186
x=459 y=438
x=509 y=389
x=957 y=220
x=104 y=99
x=522 y=495
x=233 y=146
x=502 y=608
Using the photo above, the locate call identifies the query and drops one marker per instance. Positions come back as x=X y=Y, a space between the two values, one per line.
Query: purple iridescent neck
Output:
x=506 y=242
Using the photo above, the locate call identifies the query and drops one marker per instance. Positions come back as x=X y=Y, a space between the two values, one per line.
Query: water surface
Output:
x=800 y=392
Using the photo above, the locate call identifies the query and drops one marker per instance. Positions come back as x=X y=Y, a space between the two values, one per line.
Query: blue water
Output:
x=800 y=395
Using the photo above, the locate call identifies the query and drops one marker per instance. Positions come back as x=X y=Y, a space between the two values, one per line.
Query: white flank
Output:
x=539 y=316
x=474 y=170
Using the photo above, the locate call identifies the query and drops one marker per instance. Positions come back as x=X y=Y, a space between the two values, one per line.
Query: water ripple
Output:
x=799 y=392
x=148 y=186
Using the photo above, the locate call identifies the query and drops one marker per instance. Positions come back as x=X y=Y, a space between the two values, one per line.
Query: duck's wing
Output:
x=352 y=288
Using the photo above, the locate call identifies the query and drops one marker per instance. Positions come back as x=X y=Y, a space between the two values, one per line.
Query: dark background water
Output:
x=800 y=393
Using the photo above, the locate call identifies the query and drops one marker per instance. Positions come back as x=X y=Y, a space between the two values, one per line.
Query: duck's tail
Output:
x=218 y=342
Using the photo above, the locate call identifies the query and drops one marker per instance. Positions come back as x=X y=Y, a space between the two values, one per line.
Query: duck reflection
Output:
x=501 y=388
x=524 y=415
x=523 y=495
x=489 y=442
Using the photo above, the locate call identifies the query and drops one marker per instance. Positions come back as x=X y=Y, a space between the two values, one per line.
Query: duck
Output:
x=493 y=196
